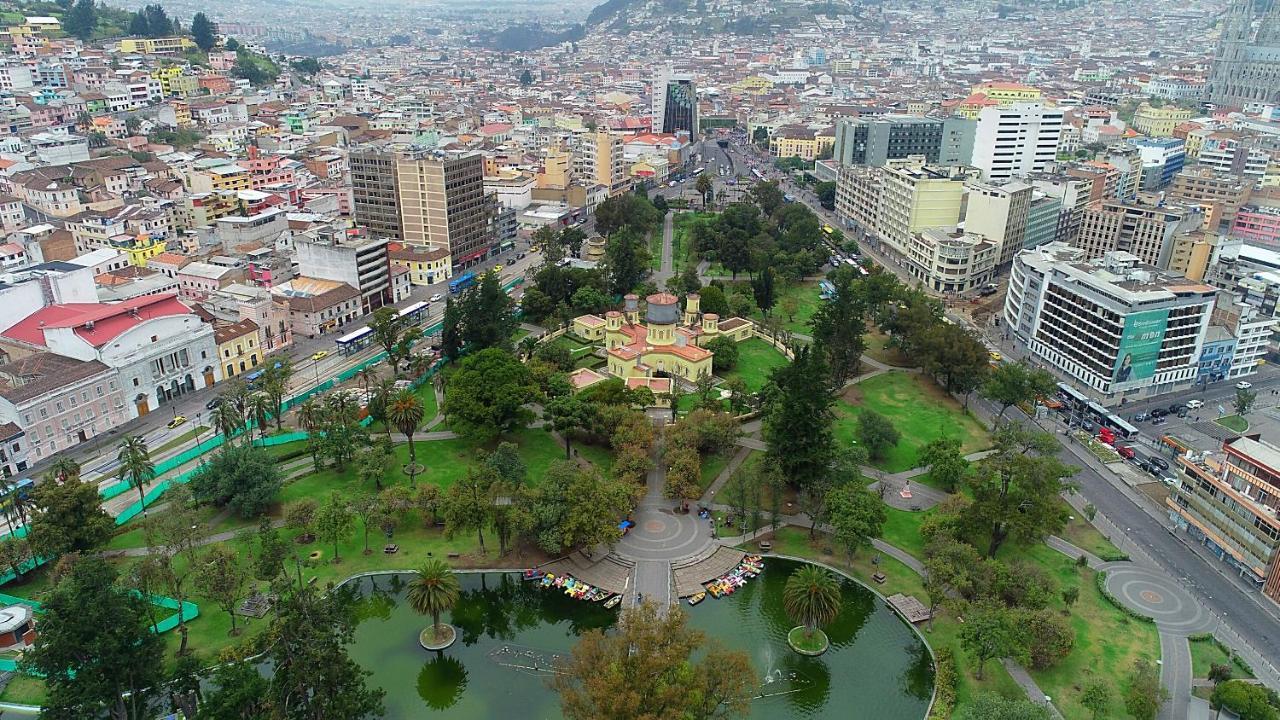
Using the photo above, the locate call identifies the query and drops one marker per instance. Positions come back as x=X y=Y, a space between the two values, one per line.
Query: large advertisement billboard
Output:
x=1139 y=348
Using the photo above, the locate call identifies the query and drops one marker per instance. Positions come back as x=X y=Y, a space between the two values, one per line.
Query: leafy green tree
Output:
x=434 y=589
x=1015 y=490
x=82 y=20
x=68 y=518
x=589 y=299
x=158 y=22
x=1219 y=673
x=1246 y=700
x=138 y=25
x=239 y=693
x=260 y=412
x=1096 y=698
x=451 y=332
x=487 y=315
x=957 y=358
x=653 y=665
x=1145 y=694
x=726 y=353
x=270 y=551
x=768 y=196
x=468 y=504
x=1046 y=636
x=488 y=394
x=838 y=326
x=95 y=647
x=947 y=466
x=173 y=536
x=856 y=516
x=798 y=422
x=826 y=192
x=307 y=641
x=1244 y=400
x=15 y=553
x=626 y=257
x=876 y=433
x=386 y=326
x=763 y=291
x=811 y=597
x=1017 y=382
x=221 y=577
x=576 y=507
x=333 y=521
x=242 y=479
x=988 y=632
x=135 y=466
x=569 y=414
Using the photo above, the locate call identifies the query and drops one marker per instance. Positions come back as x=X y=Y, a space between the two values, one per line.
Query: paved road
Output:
x=1175 y=674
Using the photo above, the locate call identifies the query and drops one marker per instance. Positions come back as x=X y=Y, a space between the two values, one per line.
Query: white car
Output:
x=1243 y=385
x=436 y=298
x=1195 y=404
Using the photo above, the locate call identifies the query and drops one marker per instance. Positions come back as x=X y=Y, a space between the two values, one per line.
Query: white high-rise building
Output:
x=1016 y=140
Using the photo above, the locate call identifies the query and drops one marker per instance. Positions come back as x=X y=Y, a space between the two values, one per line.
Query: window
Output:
x=44 y=413
x=98 y=389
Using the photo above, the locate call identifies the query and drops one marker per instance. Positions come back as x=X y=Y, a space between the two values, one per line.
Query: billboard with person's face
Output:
x=1139 y=348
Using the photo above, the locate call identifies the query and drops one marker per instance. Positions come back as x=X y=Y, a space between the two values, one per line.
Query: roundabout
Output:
x=1158 y=597
x=661 y=533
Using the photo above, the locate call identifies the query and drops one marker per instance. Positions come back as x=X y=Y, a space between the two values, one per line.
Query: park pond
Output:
x=512 y=632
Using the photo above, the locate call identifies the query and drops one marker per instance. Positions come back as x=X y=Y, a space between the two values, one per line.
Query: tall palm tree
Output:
x=365 y=374
x=434 y=590
x=64 y=468
x=811 y=597
x=136 y=465
x=309 y=415
x=704 y=186
x=227 y=418
x=260 y=411
x=277 y=386
x=383 y=395
x=406 y=412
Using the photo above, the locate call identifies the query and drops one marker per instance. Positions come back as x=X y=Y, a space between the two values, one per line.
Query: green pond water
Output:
x=511 y=633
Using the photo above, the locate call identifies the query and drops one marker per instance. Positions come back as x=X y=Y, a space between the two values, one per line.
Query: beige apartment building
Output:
x=999 y=212
x=1146 y=231
x=1219 y=196
x=903 y=197
x=951 y=261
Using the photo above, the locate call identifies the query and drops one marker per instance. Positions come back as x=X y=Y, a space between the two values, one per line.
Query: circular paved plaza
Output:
x=1158 y=597
x=662 y=534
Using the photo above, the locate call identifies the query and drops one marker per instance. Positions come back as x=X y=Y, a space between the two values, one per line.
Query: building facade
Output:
x=675 y=104
x=1017 y=139
x=876 y=140
x=1145 y=231
x=1246 y=66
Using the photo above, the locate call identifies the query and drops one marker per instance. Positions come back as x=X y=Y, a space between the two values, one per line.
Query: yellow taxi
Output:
x=318 y=356
x=176 y=421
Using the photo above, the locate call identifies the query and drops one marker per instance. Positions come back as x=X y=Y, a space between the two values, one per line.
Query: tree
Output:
x=434 y=589
x=300 y=515
x=15 y=552
x=68 y=518
x=768 y=196
x=653 y=665
x=993 y=706
x=704 y=186
x=172 y=536
x=856 y=515
x=1219 y=673
x=811 y=598
x=988 y=632
x=1046 y=637
x=260 y=412
x=387 y=326
x=313 y=677
x=136 y=466
x=569 y=414
x=526 y=78
x=239 y=693
x=725 y=351
x=955 y=357
x=1145 y=693
x=406 y=413
x=95 y=647
x=451 y=333
x=1015 y=490
x=684 y=470
x=1244 y=400
x=82 y=20
x=270 y=551
x=138 y=25
x=763 y=291
x=158 y=22
x=221 y=577
x=507 y=463
x=798 y=423
x=243 y=479
x=1016 y=382
x=626 y=257
x=487 y=395
x=467 y=504
x=275 y=385
x=333 y=521
x=577 y=507
x=202 y=32
x=838 y=326
x=826 y=192
x=947 y=466
x=1246 y=700
x=1096 y=698
x=1070 y=595
x=876 y=433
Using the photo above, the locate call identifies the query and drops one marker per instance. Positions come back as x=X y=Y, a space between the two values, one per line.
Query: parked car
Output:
x=1125 y=451
x=436 y=297
x=1155 y=471
x=1087 y=426
x=1195 y=404
x=213 y=403
x=1244 y=385
x=1184 y=412
x=1168 y=480
x=1141 y=417
x=1160 y=420
x=1175 y=408
x=1159 y=413
x=1158 y=462
x=319 y=355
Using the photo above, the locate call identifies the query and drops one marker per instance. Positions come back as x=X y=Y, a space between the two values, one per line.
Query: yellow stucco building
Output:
x=1159 y=121
x=669 y=343
x=238 y=348
x=426 y=267
x=142 y=248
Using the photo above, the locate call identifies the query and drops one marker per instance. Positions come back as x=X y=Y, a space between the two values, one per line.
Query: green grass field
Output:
x=919 y=409
x=756 y=359
x=1233 y=422
x=184 y=438
x=877 y=349
x=808 y=300
x=1205 y=653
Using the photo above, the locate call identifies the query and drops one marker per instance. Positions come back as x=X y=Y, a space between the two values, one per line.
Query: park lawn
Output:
x=1082 y=534
x=902 y=530
x=24 y=690
x=1108 y=641
x=1233 y=422
x=655 y=250
x=598 y=455
x=712 y=465
x=682 y=222
x=520 y=334
x=808 y=300
x=920 y=410
x=576 y=346
x=756 y=359
x=878 y=349
x=1205 y=653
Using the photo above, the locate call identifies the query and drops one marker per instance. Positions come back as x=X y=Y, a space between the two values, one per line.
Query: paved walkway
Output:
x=1175 y=674
x=666 y=267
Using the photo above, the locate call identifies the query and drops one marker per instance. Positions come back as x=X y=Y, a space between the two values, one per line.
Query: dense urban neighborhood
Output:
x=640 y=360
